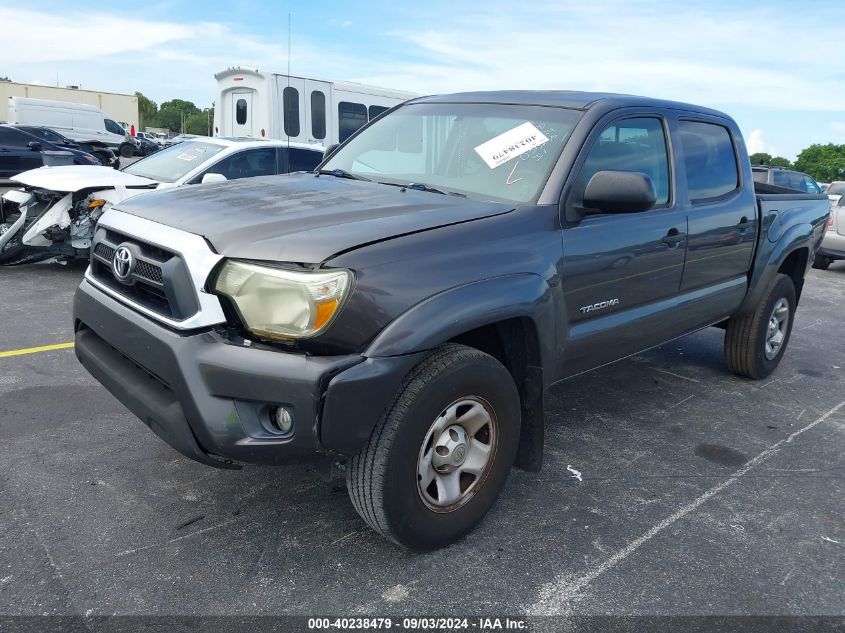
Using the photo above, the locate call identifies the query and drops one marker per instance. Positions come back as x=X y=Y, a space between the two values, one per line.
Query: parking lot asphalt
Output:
x=699 y=493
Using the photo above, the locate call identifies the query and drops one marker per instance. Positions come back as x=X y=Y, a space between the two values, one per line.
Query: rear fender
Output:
x=770 y=258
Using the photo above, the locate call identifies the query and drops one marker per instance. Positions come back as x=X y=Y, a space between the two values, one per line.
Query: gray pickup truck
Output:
x=405 y=307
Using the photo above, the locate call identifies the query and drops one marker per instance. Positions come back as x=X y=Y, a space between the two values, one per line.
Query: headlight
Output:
x=283 y=304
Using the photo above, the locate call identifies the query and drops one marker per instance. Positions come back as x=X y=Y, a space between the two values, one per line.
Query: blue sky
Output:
x=775 y=66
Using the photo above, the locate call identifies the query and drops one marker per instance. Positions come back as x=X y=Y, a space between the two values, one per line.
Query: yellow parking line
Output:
x=35 y=350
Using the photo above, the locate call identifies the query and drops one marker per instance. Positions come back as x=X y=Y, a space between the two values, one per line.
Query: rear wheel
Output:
x=755 y=342
x=821 y=262
x=436 y=462
x=127 y=150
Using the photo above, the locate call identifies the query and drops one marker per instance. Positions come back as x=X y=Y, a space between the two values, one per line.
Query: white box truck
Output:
x=78 y=121
x=271 y=105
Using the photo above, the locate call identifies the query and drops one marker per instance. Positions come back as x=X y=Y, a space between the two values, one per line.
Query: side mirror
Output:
x=207 y=178
x=330 y=150
x=620 y=192
x=35 y=146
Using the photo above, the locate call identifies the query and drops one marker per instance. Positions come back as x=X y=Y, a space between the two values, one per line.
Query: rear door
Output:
x=241 y=107
x=722 y=210
x=621 y=271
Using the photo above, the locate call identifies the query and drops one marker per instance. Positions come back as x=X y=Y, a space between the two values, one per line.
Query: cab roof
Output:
x=572 y=99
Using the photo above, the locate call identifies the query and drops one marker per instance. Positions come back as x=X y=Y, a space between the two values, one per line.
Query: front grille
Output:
x=105 y=251
x=153 y=278
x=149 y=271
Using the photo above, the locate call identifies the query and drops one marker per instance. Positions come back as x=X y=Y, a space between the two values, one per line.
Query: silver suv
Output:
x=786 y=178
x=833 y=243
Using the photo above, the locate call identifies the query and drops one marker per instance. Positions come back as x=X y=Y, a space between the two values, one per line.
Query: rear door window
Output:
x=351 y=117
x=710 y=160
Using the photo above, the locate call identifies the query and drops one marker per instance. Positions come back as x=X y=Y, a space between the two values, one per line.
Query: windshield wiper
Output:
x=342 y=173
x=421 y=186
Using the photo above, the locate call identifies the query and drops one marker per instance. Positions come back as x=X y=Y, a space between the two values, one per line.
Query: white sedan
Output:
x=54 y=214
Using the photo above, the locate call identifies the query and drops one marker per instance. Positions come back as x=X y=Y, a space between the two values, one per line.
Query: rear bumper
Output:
x=833 y=245
x=210 y=399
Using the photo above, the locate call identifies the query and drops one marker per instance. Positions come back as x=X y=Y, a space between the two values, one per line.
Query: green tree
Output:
x=5 y=78
x=200 y=122
x=823 y=162
x=171 y=114
x=780 y=161
x=147 y=111
x=760 y=158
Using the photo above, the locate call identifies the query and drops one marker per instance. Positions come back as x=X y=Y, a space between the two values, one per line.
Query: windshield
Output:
x=836 y=188
x=484 y=151
x=48 y=135
x=170 y=164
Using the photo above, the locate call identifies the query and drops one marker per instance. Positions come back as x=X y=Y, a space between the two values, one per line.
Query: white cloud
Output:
x=112 y=34
x=755 y=143
x=661 y=48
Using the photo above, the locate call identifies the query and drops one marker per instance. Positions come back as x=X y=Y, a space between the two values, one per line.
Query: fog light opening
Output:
x=281 y=418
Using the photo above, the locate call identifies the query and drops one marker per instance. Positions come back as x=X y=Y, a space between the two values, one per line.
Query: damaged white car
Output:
x=56 y=210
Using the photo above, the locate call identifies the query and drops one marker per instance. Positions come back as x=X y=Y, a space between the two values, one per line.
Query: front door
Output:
x=622 y=271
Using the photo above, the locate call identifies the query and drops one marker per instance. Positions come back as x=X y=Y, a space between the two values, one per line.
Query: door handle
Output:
x=673 y=238
x=745 y=223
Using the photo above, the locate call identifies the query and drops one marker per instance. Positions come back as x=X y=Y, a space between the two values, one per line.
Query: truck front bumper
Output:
x=211 y=399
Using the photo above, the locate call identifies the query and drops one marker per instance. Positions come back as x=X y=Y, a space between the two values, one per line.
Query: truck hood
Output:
x=301 y=217
x=72 y=178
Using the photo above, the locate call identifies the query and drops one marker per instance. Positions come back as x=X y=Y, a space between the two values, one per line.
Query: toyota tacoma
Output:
x=404 y=308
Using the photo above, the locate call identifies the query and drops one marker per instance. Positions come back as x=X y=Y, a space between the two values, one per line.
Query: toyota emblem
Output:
x=122 y=263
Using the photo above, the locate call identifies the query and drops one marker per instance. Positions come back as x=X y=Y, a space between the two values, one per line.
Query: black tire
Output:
x=746 y=335
x=821 y=262
x=382 y=478
x=126 y=150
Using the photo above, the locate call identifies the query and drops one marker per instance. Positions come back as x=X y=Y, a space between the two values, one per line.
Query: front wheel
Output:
x=755 y=342
x=127 y=150
x=436 y=462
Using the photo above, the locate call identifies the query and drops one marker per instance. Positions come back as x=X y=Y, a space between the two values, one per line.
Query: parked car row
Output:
x=22 y=148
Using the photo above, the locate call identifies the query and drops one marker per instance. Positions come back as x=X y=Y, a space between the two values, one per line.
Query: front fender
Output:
x=348 y=418
x=453 y=312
